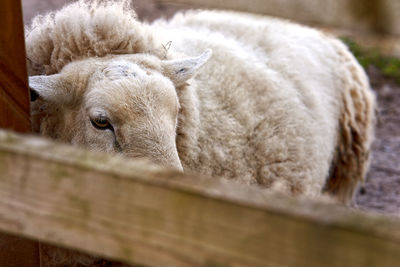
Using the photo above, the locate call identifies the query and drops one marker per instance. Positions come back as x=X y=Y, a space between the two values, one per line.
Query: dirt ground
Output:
x=382 y=188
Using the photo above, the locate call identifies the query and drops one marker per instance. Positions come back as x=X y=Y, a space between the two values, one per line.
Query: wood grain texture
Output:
x=143 y=214
x=14 y=98
x=368 y=16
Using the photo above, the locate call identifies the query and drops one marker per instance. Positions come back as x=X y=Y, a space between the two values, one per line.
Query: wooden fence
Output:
x=373 y=23
x=382 y=16
x=14 y=101
x=143 y=214
x=14 y=114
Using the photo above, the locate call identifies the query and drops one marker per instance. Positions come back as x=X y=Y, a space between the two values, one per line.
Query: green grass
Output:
x=389 y=66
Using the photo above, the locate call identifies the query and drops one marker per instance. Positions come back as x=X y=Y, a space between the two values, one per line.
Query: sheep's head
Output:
x=126 y=104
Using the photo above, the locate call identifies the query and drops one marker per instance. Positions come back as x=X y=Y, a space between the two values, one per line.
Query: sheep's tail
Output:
x=355 y=133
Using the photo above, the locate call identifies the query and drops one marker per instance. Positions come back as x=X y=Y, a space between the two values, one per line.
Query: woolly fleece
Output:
x=277 y=104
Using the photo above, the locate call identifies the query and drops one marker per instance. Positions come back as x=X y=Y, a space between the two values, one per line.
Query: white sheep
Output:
x=274 y=104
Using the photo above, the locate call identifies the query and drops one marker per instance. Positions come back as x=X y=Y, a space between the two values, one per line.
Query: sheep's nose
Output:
x=172 y=162
x=177 y=166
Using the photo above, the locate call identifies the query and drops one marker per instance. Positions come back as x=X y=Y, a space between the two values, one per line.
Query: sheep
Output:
x=254 y=99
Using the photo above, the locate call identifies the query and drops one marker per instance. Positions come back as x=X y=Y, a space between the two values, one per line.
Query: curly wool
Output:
x=86 y=29
x=278 y=104
x=310 y=112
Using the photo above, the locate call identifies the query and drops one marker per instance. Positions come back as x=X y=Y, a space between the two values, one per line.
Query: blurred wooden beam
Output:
x=386 y=44
x=143 y=214
x=373 y=24
x=367 y=16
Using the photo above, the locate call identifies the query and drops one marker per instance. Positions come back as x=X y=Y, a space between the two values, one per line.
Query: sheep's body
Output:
x=265 y=110
x=267 y=107
x=268 y=100
x=277 y=104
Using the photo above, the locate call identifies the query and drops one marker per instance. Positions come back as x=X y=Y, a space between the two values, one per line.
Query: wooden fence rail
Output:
x=373 y=15
x=142 y=214
x=373 y=23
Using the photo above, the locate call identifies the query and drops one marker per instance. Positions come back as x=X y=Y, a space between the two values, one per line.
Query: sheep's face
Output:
x=126 y=104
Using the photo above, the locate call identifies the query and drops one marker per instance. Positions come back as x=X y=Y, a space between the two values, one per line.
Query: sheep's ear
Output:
x=181 y=70
x=45 y=87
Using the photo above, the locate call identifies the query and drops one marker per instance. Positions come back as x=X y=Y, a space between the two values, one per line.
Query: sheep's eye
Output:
x=101 y=123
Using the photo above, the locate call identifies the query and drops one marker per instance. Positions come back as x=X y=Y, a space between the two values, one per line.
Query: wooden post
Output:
x=15 y=251
x=14 y=98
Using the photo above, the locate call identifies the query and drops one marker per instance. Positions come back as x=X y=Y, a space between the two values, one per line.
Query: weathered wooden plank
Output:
x=142 y=214
x=373 y=16
x=14 y=99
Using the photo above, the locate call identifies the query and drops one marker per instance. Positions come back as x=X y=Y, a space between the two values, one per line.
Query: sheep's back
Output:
x=269 y=98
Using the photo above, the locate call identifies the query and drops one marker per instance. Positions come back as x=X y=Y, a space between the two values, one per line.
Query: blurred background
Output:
x=370 y=28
